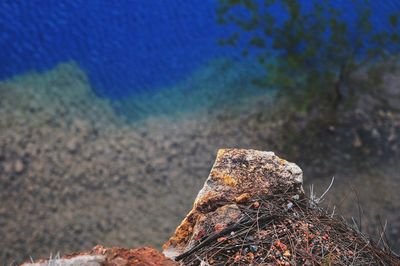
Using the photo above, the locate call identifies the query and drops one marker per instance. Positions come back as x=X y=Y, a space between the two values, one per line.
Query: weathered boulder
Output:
x=237 y=176
x=252 y=210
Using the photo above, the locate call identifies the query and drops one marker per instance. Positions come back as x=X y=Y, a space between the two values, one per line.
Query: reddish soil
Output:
x=143 y=256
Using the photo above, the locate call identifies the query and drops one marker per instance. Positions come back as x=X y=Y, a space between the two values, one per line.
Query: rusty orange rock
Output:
x=101 y=256
x=237 y=176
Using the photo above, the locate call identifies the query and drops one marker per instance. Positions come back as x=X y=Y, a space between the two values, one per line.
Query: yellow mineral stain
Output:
x=228 y=180
x=220 y=153
x=242 y=198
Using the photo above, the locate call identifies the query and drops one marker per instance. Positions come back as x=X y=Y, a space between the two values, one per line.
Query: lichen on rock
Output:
x=237 y=175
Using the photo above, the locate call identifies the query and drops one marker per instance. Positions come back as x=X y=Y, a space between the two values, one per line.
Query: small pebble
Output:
x=19 y=166
x=253 y=248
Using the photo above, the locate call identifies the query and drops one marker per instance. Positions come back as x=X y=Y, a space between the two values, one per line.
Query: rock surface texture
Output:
x=237 y=176
x=100 y=256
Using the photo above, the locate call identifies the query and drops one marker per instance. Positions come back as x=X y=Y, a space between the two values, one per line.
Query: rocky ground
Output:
x=73 y=174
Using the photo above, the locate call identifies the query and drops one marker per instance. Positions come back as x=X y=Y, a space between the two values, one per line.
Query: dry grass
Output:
x=286 y=229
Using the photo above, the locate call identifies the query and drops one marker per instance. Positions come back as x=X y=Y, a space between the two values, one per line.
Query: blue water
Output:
x=124 y=46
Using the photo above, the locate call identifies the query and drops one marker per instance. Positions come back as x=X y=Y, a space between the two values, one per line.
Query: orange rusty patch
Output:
x=223 y=178
x=229 y=181
x=242 y=198
x=183 y=231
x=144 y=256
x=214 y=174
x=219 y=227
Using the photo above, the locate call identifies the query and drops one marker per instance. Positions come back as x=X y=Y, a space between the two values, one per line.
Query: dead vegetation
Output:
x=285 y=229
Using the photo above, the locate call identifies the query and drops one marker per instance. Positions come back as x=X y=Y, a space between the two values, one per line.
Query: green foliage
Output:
x=311 y=54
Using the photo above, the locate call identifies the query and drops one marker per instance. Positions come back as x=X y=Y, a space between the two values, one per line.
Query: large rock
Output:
x=237 y=176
